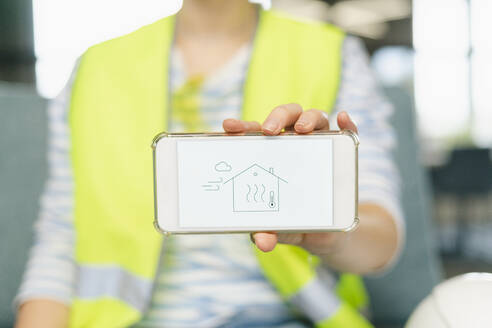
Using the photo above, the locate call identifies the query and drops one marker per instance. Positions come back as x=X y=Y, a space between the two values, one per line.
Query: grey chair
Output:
x=22 y=174
x=396 y=294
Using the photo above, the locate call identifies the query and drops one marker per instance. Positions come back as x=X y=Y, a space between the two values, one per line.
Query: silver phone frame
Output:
x=163 y=135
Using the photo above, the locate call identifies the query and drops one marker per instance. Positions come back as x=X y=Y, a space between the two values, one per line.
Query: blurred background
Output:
x=433 y=58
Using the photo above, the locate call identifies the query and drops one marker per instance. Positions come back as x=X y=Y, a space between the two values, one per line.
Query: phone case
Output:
x=162 y=135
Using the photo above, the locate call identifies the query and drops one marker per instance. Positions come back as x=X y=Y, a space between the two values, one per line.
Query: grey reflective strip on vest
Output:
x=316 y=301
x=112 y=281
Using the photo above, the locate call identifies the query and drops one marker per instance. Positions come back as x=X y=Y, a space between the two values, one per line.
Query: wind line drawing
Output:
x=213 y=185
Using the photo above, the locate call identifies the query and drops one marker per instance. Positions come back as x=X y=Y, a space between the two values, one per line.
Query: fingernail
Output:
x=302 y=124
x=270 y=127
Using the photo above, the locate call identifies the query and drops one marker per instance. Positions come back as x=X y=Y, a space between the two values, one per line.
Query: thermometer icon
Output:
x=272 y=204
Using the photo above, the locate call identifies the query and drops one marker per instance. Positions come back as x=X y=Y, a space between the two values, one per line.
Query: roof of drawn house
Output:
x=258 y=167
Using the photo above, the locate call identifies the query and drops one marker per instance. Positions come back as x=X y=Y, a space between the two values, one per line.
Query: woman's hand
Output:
x=292 y=117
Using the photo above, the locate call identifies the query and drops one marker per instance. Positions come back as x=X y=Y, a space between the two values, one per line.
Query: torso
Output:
x=212 y=280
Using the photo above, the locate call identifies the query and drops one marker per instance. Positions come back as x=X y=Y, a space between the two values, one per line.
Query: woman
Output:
x=98 y=262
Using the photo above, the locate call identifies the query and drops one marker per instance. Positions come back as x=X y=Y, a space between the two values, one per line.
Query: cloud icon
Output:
x=223 y=167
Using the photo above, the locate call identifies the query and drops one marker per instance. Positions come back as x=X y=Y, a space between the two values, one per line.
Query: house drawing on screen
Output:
x=256 y=189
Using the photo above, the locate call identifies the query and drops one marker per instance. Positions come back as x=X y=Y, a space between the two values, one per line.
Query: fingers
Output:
x=265 y=241
x=310 y=120
x=290 y=238
x=288 y=116
x=345 y=122
x=280 y=118
x=238 y=126
x=316 y=243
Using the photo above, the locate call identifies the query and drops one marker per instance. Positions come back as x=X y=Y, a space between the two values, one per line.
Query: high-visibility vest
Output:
x=120 y=101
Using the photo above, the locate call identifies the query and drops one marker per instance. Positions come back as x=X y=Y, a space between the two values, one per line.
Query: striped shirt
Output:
x=212 y=280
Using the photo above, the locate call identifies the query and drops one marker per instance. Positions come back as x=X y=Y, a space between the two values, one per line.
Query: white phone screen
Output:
x=260 y=182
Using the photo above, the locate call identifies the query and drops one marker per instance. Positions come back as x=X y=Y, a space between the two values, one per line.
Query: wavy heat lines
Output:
x=255 y=193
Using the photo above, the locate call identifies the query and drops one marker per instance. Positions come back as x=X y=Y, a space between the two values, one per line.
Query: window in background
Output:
x=393 y=66
x=453 y=83
x=481 y=67
x=64 y=29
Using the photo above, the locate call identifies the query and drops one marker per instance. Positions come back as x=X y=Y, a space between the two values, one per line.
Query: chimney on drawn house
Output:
x=271 y=170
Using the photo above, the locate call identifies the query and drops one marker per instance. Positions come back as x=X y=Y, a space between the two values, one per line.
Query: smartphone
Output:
x=219 y=183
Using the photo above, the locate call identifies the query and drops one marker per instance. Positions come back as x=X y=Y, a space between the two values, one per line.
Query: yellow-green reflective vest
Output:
x=120 y=101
